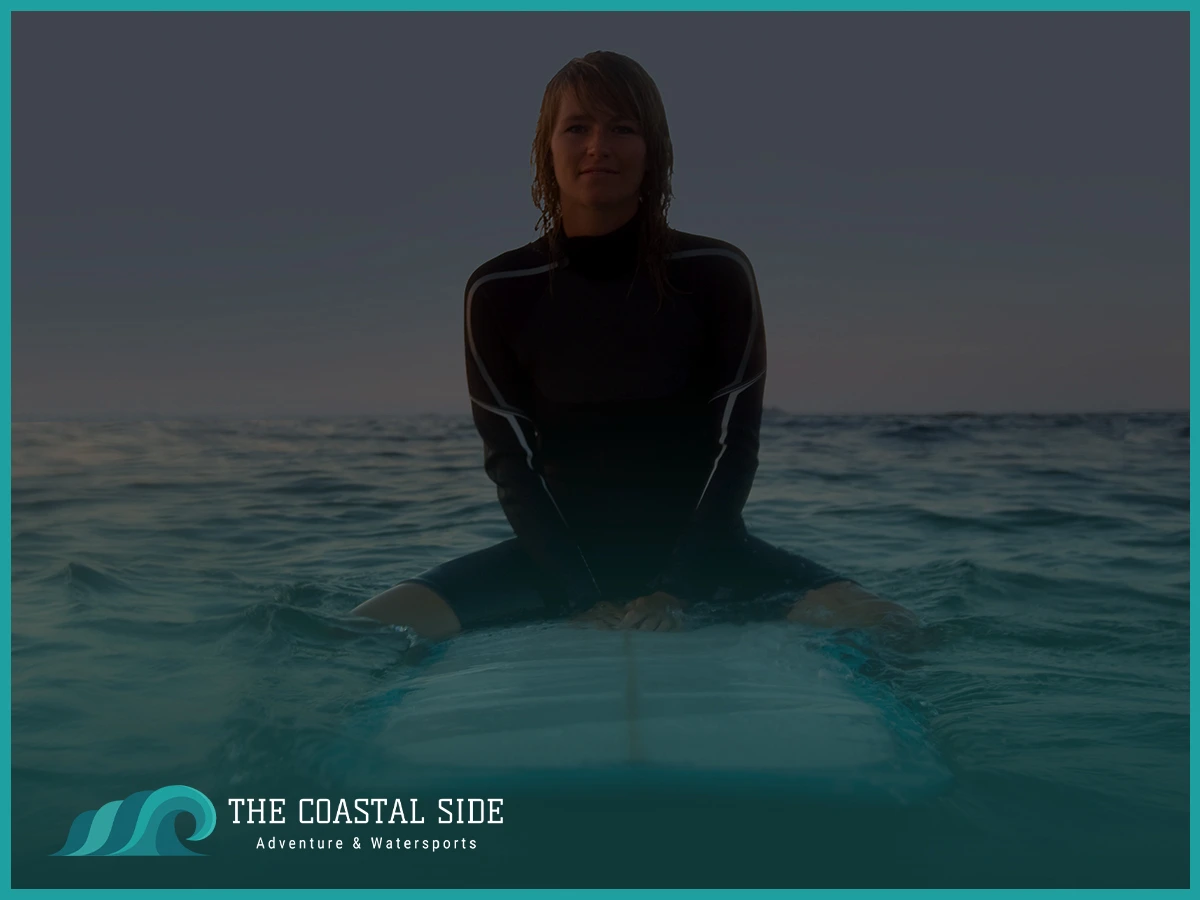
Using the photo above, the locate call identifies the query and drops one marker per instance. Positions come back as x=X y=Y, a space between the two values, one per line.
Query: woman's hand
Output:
x=603 y=615
x=654 y=612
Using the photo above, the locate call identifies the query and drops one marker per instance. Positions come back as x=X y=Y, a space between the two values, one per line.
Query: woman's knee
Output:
x=847 y=604
x=416 y=606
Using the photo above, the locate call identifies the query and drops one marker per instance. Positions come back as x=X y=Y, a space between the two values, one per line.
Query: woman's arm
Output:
x=500 y=400
x=735 y=415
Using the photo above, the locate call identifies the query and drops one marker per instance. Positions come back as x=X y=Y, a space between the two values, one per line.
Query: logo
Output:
x=143 y=824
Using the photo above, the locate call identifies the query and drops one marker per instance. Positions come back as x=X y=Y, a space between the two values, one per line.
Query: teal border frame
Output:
x=514 y=6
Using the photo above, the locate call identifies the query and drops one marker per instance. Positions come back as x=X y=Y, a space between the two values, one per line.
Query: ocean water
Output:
x=181 y=599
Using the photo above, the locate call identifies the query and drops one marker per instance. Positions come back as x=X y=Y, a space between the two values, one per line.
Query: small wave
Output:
x=25 y=538
x=320 y=485
x=52 y=504
x=291 y=623
x=1180 y=539
x=1051 y=517
x=924 y=433
x=304 y=595
x=961 y=578
x=390 y=503
x=167 y=485
x=912 y=517
x=1055 y=473
x=305 y=613
x=833 y=477
x=1157 y=500
x=87 y=580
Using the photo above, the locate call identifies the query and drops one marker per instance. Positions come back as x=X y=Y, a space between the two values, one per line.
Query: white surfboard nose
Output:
x=713 y=704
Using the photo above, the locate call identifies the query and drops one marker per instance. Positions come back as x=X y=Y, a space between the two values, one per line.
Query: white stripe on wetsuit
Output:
x=509 y=413
x=735 y=387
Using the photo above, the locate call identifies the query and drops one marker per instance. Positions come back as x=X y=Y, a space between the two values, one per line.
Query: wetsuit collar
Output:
x=604 y=256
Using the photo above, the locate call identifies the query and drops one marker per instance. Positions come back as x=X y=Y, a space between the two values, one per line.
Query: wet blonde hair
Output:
x=609 y=81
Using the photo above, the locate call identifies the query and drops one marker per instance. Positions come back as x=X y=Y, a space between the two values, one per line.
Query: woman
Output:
x=616 y=371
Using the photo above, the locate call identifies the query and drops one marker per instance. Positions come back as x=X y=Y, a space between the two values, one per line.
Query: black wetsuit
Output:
x=622 y=435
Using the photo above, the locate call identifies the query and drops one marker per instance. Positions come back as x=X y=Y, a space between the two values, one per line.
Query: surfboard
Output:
x=747 y=707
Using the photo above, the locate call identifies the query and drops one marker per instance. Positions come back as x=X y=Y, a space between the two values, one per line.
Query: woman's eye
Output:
x=624 y=129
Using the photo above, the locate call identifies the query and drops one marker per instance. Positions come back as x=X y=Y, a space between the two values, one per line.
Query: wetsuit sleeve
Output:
x=500 y=404
x=735 y=415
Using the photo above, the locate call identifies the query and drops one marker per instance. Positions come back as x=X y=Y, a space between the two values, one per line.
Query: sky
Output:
x=275 y=214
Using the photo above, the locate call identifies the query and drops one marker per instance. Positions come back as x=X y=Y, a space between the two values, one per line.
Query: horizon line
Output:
x=771 y=410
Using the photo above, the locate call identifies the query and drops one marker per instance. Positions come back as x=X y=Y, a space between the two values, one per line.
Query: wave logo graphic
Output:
x=143 y=824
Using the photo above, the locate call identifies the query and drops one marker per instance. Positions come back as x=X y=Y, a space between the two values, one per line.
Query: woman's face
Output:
x=599 y=158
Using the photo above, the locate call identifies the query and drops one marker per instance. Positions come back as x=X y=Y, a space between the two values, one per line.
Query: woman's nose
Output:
x=597 y=142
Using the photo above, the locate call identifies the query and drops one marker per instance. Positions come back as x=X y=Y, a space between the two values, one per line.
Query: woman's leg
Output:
x=809 y=592
x=415 y=605
x=846 y=604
